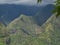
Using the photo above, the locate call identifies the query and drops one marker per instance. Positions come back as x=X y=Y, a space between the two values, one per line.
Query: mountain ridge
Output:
x=9 y=12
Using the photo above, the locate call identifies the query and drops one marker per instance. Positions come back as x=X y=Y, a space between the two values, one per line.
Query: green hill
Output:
x=24 y=31
x=52 y=30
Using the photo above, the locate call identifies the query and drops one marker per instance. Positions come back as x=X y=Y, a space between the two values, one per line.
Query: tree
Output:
x=57 y=7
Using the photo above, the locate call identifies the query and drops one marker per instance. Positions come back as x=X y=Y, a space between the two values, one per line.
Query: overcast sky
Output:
x=26 y=2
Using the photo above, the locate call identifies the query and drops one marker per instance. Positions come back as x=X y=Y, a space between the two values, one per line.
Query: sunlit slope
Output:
x=52 y=30
x=24 y=23
x=23 y=31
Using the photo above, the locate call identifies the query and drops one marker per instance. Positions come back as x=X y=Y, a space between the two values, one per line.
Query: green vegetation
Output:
x=23 y=31
x=53 y=28
x=1 y=34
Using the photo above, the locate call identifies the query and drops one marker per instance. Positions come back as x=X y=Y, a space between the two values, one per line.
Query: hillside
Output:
x=52 y=29
x=24 y=31
x=32 y=34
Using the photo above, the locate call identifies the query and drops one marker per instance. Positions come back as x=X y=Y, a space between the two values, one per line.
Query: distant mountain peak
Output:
x=10 y=12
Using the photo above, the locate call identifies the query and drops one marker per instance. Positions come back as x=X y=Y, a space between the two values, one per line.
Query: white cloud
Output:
x=26 y=2
x=31 y=2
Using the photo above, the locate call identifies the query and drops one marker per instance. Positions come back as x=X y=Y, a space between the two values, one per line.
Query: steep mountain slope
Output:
x=23 y=30
x=32 y=30
x=24 y=23
x=42 y=17
x=52 y=30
